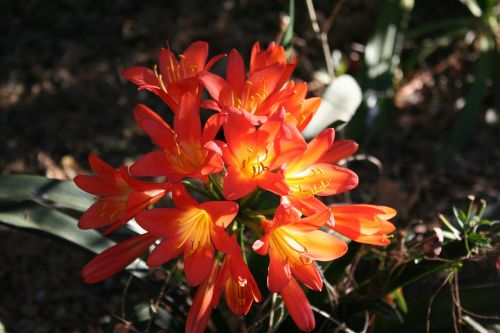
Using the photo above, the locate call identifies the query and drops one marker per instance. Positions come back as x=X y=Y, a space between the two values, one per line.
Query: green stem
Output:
x=215 y=187
x=195 y=188
x=249 y=199
x=264 y=211
x=252 y=225
x=242 y=242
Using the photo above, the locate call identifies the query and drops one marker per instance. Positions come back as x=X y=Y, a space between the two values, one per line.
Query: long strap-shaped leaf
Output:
x=30 y=215
x=61 y=193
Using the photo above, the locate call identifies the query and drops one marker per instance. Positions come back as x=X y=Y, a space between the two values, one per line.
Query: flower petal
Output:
x=162 y=222
x=197 y=263
x=221 y=212
x=155 y=164
x=321 y=179
x=273 y=182
x=223 y=242
x=315 y=150
x=104 y=170
x=298 y=306
x=236 y=186
x=98 y=186
x=116 y=258
x=214 y=84
x=199 y=313
x=141 y=76
x=279 y=273
x=181 y=197
x=158 y=130
x=95 y=216
x=167 y=250
x=195 y=57
x=308 y=274
x=235 y=73
x=323 y=246
x=339 y=150
x=187 y=120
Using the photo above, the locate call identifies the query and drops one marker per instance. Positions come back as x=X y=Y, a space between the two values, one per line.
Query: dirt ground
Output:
x=61 y=97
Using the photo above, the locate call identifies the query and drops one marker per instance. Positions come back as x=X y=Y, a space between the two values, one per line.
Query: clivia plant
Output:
x=218 y=175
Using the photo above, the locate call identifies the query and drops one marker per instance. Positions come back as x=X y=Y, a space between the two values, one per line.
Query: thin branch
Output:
x=321 y=35
x=342 y=326
x=333 y=16
x=431 y=300
x=156 y=304
x=124 y=297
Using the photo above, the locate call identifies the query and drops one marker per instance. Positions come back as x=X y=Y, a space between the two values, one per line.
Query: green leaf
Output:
x=473 y=7
x=382 y=55
x=387 y=311
x=30 y=215
x=479 y=240
x=464 y=127
x=60 y=193
x=33 y=216
x=440 y=27
x=399 y=298
x=459 y=216
x=288 y=35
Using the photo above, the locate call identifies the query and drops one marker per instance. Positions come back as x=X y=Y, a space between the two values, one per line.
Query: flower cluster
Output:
x=251 y=144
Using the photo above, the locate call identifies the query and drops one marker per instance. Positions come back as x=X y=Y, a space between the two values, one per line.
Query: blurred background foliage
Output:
x=428 y=124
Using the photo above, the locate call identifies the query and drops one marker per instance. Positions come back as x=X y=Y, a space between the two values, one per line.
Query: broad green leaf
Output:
x=33 y=216
x=60 y=193
x=30 y=215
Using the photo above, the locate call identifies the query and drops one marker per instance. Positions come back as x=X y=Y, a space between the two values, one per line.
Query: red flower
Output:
x=116 y=258
x=174 y=77
x=269 y=71
x=193 y=228
x=201 y=309
x=182 y=151
x=293 y=243
x=298 y=306
x=252 y=155
x=121 y=197
x=240 y=288
x=275 y=54
x=364 y=223
x=307 y=176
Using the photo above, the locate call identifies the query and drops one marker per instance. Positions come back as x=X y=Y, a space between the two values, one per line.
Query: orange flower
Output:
x=252 y=155
x=193 y=228
x=298 y=306
x=240 y=288
x=307 y=176
x=293 y=243
x=339 y=150
x=182 y=153
x=121 y=197
x=269 y=71
x=116 y=258
x=174 y=77
x=201 y=309
x=275 y=54
x=364 y=223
